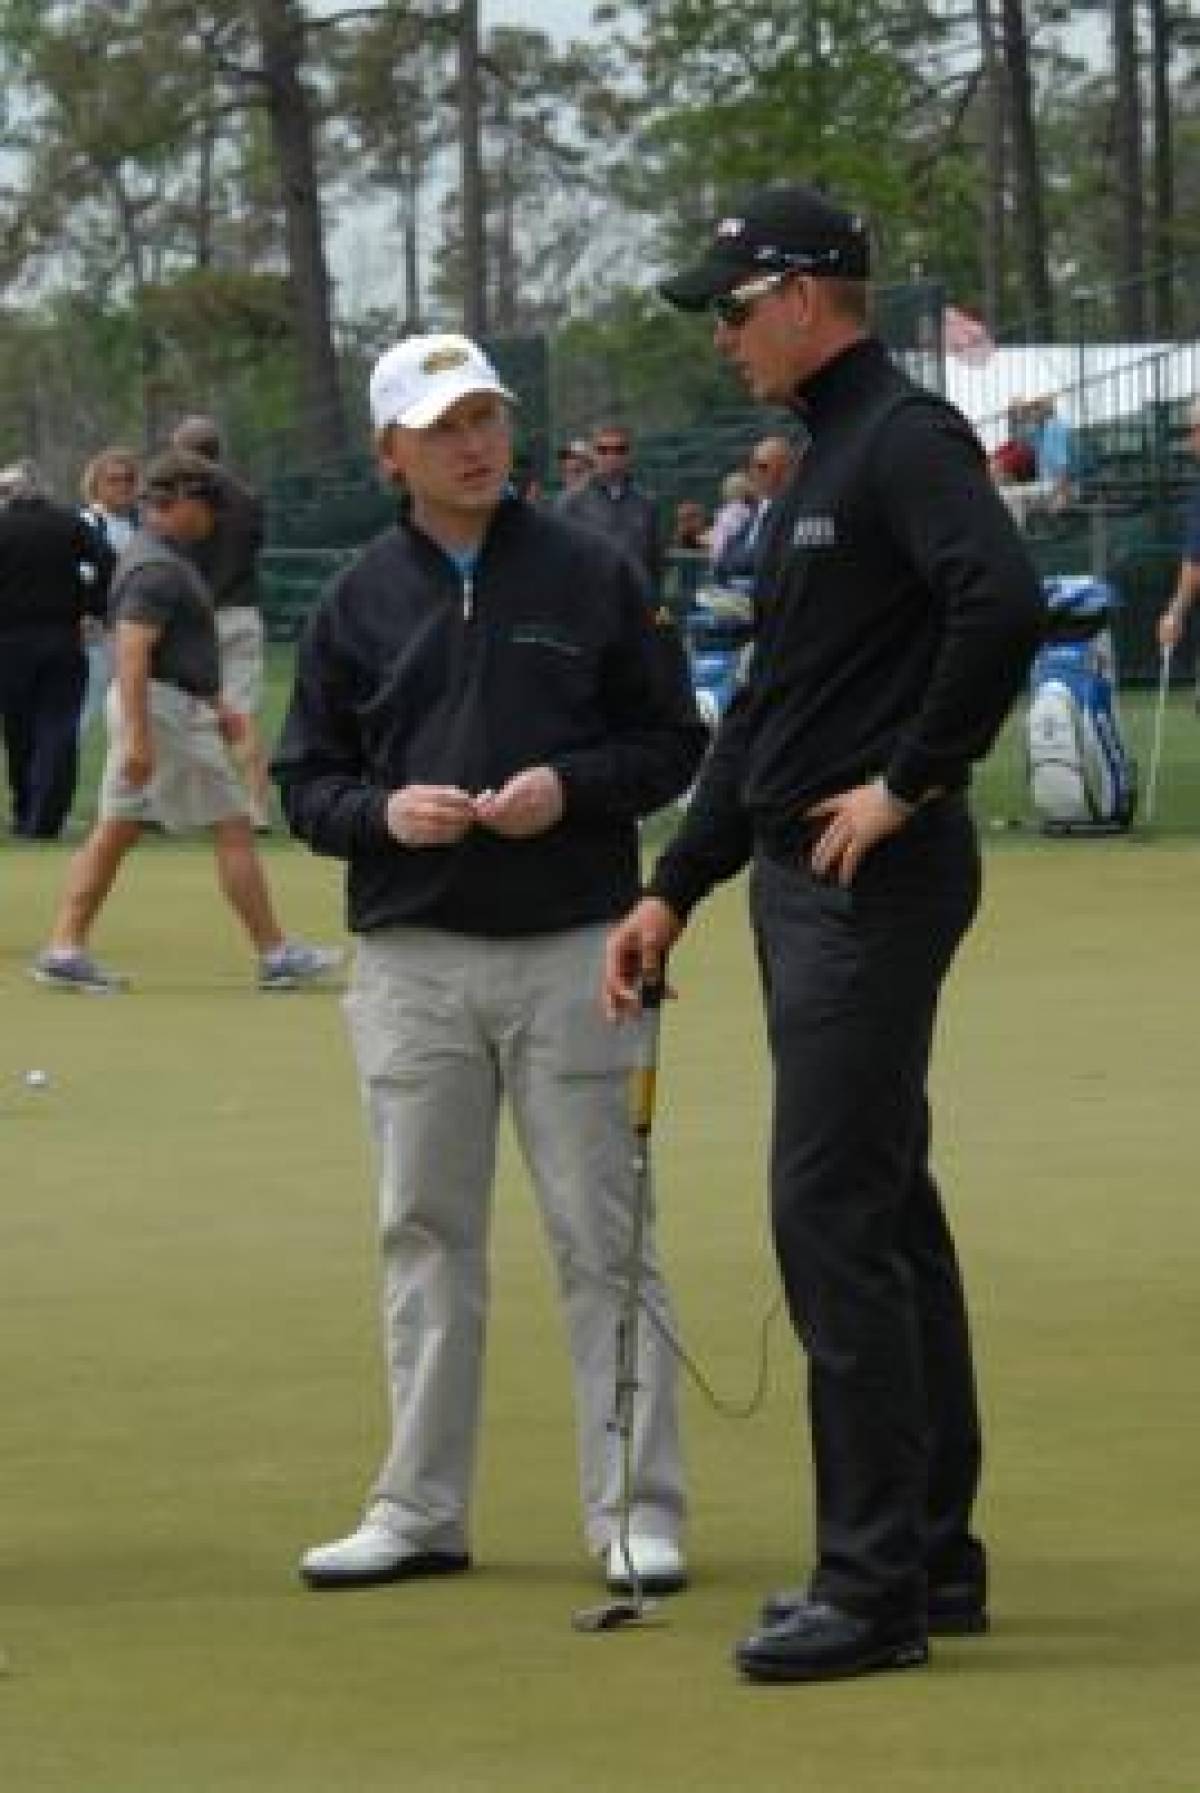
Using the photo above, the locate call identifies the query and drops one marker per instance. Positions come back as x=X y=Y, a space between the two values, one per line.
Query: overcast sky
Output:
x=363 y=241
x=560 y=18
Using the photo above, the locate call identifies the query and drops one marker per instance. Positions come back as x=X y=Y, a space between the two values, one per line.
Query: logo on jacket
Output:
x=814 y=532
x=538 y=635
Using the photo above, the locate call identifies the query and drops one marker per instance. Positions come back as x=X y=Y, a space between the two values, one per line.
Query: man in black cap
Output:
x=897 y=614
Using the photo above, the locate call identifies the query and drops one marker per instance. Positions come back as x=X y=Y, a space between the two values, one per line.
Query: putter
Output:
x=632 y=1608
x=1160 y=713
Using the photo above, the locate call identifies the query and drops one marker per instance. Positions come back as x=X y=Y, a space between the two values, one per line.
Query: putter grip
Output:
x=645 y=1070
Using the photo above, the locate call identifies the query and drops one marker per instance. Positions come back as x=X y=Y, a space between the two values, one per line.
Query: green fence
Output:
x=292 y=579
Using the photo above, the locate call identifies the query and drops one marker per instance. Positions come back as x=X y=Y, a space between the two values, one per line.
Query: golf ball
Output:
x=37 y=1079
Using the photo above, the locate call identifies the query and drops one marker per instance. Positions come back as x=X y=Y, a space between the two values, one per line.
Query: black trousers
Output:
x=851 y=982
x=43 y=675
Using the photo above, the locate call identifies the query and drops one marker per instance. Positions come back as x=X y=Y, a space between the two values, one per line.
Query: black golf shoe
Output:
x=819 y=1642
x=953 y=1608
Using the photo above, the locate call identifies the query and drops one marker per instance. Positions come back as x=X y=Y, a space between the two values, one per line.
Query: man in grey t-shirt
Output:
x=168 y=728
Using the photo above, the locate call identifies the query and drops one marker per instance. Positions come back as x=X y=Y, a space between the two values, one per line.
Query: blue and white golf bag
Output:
x=1082 y=780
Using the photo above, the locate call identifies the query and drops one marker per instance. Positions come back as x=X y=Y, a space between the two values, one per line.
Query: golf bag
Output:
x=717 y=633
x=1082 y=780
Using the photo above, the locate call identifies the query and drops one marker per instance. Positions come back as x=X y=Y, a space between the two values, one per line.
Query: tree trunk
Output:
x=504 y=222
x=281 y=32
x=1127 y=146
x=410 y=212
x=474 y=256
x=1162 y=233
x=1027 y=178
x=992 y=247
x=204 y=192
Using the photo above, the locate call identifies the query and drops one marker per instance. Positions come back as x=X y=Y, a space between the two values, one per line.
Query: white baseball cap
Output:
x=419 y=379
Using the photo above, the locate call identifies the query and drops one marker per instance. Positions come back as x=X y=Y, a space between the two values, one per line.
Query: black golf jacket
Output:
x=549 y=654
x=897 y=614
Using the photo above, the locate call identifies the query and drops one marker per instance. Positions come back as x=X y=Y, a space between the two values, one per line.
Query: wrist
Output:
x=904 y=806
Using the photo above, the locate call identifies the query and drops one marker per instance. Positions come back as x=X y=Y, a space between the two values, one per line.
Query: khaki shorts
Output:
x=193 y=785
x=241 y=637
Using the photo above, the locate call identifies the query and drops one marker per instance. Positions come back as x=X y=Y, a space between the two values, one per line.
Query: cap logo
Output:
x=440 y=361
x=731 y=227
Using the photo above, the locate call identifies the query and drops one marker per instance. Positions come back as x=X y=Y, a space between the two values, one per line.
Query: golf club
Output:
x=633 y=1608
x=1160 y=712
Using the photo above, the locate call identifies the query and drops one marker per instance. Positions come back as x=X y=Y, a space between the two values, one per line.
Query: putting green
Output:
x=191 y=1390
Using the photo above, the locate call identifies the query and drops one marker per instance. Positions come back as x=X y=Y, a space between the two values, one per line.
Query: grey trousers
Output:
x=444 y=1027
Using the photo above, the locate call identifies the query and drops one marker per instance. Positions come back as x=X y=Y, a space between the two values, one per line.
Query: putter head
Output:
x=612 y=1615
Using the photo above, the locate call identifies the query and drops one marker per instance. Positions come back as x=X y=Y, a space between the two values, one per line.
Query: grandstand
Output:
x=1126 y=402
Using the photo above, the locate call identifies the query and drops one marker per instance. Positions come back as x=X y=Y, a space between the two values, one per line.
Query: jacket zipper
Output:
x=468 y=597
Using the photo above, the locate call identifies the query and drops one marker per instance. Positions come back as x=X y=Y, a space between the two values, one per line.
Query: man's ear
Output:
x=389 y=454
x=801 y=296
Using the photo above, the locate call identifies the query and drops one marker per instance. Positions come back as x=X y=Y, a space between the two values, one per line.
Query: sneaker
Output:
x=75 y=971
x=372 y=1555
x=658 y=1564
x=294 y=963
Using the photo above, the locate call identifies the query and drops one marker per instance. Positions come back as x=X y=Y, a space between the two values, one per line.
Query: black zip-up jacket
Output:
x=897 y=614
x=548 y=655
x=55 y=568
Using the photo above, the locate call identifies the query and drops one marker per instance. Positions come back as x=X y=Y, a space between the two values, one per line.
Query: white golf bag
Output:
x=1082 y=780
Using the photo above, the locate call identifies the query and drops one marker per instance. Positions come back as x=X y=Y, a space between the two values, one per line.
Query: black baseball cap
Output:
x=779 y=229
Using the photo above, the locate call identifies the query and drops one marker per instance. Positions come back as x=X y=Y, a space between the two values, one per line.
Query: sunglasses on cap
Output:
x=735 y=308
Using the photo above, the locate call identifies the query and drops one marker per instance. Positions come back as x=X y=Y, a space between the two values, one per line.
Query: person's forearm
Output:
x=1187 y=589
x=133 y=650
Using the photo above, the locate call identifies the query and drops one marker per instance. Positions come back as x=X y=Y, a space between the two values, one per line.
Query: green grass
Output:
x=1000 y=784
x=192 y=1389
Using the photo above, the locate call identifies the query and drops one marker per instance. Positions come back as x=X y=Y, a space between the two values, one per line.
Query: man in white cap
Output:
x=484 y=707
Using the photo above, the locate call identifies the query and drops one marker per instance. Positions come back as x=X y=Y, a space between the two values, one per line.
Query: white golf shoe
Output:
x=658 y=1564
x=374 y=1554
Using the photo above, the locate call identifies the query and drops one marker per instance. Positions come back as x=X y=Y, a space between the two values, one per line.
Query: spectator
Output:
x=614 y=504
x=229 y=560
x=691 y=526
x=1056 y=459
x=735 y=509
x=1187 y=583
x=109 y=490
x=54 y=571
x=770 y=467
x=575 y=466
x=688 y=559
x=166 y=765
